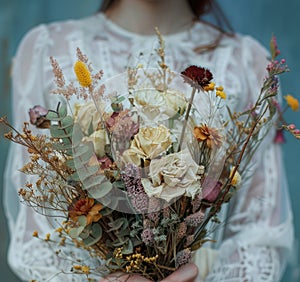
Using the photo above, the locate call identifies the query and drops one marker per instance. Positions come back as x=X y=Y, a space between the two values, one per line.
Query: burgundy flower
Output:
x=197 y=76
x=38 y=118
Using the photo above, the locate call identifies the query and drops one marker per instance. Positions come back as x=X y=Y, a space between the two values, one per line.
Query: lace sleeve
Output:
x=29 y=257
x=259 y=232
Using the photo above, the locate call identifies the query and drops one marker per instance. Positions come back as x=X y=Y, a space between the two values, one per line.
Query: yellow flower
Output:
x=236 y=179
x=221 y=94
x=83 y=74
x=85 y=269
x=292 y=102
x=209 y=87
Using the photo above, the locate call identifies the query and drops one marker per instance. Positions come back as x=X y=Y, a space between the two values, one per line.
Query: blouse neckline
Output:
x=129 y=34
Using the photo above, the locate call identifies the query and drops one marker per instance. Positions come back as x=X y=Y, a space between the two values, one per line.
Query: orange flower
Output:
x=210 y=135
x=87 y=208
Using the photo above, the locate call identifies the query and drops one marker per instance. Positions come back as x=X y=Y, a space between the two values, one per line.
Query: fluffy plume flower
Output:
x=87 y=208
x=147 y=236
x=195 y=219
x=210 y=135
x=183 y=257
x=83 y=74
x=181 y=232
x=197 y=76
x=134 y=187
x=292 y=102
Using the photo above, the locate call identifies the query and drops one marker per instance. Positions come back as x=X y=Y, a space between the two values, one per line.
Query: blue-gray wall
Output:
x=256 y=17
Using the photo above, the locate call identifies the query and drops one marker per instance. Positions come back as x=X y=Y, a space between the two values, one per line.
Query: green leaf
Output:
x=62 y=110
x=86 y=232
x=98 y=192
x=86 y=149
x=53 y=116
x=127 y=248
x=74 y=177
x=86 y=172
x=95 y=235
x=90 y=129
x=75 y=232
x=67 y=123
x=70 y=163
x=118 y=223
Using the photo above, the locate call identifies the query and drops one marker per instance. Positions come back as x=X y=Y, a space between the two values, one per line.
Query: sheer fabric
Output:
x=259 y=233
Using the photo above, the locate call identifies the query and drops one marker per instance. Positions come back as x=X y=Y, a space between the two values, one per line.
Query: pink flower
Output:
x=211 y=189
x=105 y=162
x=279 y=137
x=38 y=118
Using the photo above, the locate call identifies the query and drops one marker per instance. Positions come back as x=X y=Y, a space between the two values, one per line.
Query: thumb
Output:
x=186 y=273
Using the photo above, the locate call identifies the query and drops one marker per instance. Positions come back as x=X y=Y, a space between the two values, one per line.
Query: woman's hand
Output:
x=186 y=273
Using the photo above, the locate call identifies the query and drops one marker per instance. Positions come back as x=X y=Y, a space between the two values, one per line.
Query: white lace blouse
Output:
x=259 y=232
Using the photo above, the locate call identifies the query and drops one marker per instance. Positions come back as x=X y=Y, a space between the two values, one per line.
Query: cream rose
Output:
x=176 y=102
x=148 y=144
x=172 y=176
x=87 y=115
x=98 y=138
x=158 y=105
x=149 y=102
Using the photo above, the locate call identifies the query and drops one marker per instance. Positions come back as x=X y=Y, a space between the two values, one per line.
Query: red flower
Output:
x=197 y=76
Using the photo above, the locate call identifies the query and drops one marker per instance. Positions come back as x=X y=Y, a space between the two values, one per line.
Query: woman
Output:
x=257 y=237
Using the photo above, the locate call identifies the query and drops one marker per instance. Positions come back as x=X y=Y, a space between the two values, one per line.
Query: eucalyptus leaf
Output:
x=82 y=220
x=67 y=123
x=100 y=191
x=118 y=223
x=53 y=116
x=87 y=171
x=62 y=110
x=75 y=231
x=128 y=248
x=95 y=235
x=120 y=242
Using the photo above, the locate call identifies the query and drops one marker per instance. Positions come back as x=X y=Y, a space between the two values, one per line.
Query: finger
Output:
x=122 y=277
x=186 y=273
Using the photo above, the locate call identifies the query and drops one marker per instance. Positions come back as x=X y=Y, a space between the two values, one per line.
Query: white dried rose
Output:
x=87 y=115
x=148 y=144
x=98 y=138
x=172 y=176
x=159 y=105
